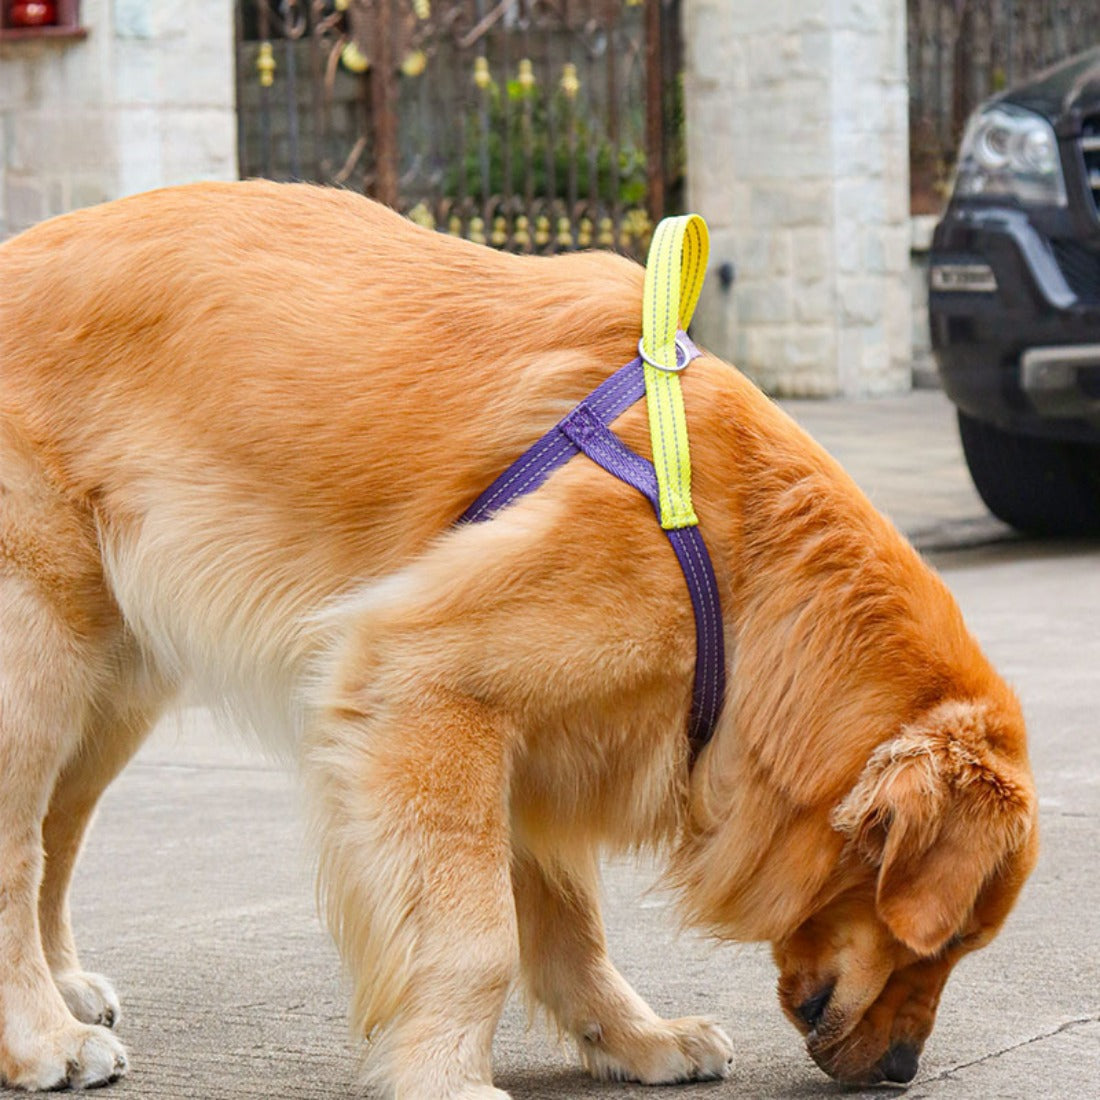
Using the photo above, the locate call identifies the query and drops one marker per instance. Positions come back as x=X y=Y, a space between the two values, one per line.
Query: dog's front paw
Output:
x=664 y=1053
x=706 y=1048
x=90 y=997
x=81 y=1057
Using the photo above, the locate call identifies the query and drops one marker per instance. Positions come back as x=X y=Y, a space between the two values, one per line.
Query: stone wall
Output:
x=797 y=136
x=924 y=364
x=144 y=100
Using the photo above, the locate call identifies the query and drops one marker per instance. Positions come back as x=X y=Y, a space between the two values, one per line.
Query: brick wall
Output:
x=144 y=100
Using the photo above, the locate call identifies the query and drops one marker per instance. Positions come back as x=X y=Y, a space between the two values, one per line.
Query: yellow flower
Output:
x=355 y=61
x=482 y=77
x=415 y=63
x=421 y=215
x=570 y=83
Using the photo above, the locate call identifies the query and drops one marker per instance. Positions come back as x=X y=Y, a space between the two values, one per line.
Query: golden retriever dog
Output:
x=237 y=425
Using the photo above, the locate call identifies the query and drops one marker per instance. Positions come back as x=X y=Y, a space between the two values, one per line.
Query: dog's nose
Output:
x=900 y=1063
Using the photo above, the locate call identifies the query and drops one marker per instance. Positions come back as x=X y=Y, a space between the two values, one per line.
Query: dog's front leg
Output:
x=45 y=667
x=411 y=792
x=566 y=968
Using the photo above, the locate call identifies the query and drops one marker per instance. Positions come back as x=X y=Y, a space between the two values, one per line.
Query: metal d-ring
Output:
x=683 y=356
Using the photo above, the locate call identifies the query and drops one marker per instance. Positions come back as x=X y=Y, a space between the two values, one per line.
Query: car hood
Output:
x=1064 y=93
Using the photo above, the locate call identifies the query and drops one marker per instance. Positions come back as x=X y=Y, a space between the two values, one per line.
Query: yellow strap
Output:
x=675 y=268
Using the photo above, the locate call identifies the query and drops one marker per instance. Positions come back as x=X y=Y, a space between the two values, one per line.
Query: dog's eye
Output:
x=811 y=1010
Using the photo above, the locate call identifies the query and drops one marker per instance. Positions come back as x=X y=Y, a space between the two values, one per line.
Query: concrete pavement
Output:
x=195 y=891
x=905 y=454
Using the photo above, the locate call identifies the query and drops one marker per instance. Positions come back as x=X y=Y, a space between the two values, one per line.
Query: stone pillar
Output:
x=797 y=155
x=146 y=99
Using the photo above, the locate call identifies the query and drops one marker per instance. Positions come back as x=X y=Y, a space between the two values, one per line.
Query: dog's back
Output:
x=266 y=394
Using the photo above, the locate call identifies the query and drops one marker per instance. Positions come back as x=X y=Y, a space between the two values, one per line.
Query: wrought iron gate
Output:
x=532 y=125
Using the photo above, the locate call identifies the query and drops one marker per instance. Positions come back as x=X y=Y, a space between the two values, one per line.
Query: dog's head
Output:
x=940 y=834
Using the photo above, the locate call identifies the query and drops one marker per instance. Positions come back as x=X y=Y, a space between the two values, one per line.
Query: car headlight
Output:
x=1009 y=151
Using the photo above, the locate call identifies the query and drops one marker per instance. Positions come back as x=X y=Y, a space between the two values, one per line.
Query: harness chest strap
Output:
x=674 y=273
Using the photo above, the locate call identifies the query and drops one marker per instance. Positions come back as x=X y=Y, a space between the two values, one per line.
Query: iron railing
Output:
x=534 y=125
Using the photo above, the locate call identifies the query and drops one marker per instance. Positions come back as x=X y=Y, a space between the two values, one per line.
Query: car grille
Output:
x=1090 y=149
x=1081 y=267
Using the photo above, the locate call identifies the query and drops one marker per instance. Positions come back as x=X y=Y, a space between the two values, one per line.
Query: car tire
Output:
x=1041 y=486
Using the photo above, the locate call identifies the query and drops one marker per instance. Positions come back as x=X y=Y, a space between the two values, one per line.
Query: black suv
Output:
x=1014 y=300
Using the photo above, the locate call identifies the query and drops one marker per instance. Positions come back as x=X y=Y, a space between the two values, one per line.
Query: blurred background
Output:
x=818 y=139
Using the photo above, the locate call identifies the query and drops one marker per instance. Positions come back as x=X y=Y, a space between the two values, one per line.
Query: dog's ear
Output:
x=938 y=809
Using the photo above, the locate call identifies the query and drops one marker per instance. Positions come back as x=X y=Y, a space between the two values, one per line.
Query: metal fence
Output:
x=961 y=52
x=534 y=125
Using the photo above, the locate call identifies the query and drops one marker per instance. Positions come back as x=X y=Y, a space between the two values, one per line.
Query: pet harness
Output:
x=675 y=268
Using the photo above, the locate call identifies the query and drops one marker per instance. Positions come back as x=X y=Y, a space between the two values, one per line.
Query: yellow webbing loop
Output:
x=674 y=273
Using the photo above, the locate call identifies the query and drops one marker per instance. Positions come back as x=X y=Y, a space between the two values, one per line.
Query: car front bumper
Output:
x=1016 y=323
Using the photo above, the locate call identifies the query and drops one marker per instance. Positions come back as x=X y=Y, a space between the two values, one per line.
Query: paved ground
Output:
x=906 y=456
x=195 y=892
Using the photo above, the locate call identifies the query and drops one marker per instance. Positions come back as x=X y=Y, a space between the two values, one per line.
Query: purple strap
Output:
x=587 y=430
x=534 y=466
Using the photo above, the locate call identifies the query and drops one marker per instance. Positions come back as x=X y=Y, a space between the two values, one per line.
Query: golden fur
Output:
x=237 y=423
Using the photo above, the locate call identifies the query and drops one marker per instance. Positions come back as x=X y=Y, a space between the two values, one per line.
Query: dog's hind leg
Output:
x=566 y=968
x=114 y=729
x=411 y=794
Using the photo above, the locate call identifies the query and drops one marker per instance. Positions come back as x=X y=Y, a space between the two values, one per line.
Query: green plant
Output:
x=530 y=158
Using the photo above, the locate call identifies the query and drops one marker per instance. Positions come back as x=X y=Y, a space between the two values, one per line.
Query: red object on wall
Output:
x=32 y=13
